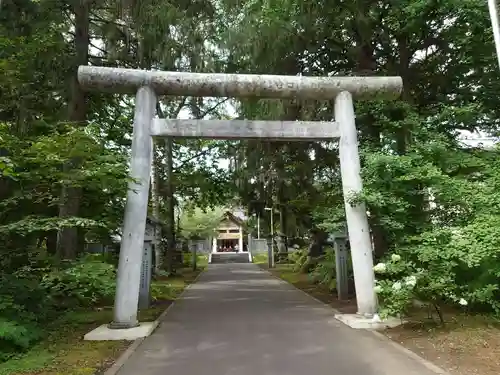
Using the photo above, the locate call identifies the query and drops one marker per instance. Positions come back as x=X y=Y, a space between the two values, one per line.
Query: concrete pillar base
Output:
x=104 y=333
x=357 y=321
x=123 y=325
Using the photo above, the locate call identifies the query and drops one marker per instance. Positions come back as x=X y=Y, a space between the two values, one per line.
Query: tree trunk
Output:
x=68 y=244
x=51 y=242
x=171 y=247
x=155 y=196
x=380 y=240
x=170 y=207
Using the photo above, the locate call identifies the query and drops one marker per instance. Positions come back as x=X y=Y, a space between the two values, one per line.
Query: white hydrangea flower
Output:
x=395 y=257
x=411 y=281
x=380 y=268
x=377 y=289
x=397 y=285
x=463 y=302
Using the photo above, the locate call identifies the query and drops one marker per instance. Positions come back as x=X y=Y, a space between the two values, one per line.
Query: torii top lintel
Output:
x=128 y=81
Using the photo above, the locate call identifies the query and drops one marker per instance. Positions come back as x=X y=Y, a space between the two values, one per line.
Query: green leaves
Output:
x=16 y=337
x=39 y=174
x=196 y=223
x=324 y=271
x=35 y=296
x=30 y=224
x=88 y=282
x=6 y=167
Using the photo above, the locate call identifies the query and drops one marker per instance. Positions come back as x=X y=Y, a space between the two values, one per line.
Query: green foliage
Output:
x=39 y=176
x=298 y=258
x=429 y=279
x=201 y=260
x=39 y=293
x=187 y=259
x=196 y=223
x=84 y=283
x=394 y=287
x=16 y=337
x=165 y=291
x=6 y=167
x=260 y=258
x=22 y=304
x=453 y=258
x=324 y=271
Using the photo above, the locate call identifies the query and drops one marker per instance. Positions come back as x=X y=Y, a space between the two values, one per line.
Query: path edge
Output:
x=122 y=359
x=428 y=364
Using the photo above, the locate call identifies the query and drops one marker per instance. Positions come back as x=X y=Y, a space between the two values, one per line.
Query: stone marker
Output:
x=341 y=270
x=194 y=254
x=146 y=274
x=270 y=252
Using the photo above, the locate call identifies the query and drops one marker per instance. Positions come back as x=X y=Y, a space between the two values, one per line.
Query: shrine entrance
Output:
x=227 y=245
x=148 y=85
x=229 y=237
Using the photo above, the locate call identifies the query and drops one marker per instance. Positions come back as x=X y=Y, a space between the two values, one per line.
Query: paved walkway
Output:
x=239 y=320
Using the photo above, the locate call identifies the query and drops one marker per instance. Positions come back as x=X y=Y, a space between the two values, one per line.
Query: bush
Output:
x=324 y=271
x=400 y=281
x=395 y=286
x=86 y=282
x=16 y=338
x=21 y=311
x=187 y=259
x=24 y=308
x=110 y=257
x=298 y=258
x=443 y=266
x=39 y=293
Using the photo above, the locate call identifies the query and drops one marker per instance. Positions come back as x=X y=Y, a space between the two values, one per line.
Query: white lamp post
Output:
x=257 y=216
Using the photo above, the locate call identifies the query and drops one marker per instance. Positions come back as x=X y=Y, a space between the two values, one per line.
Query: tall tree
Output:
x=70 y=241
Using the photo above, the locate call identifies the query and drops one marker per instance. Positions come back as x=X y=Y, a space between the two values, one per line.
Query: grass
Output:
x=285 y=272
x=64 y=352
x=260 y=258
x=202 y=261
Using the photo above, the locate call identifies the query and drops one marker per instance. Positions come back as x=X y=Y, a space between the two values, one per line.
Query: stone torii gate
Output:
x=148 y=85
